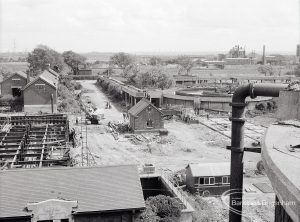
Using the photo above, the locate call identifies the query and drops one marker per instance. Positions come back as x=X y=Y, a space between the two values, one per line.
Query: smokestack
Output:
x=28 y=78
x=48 y=66
x=264 y=55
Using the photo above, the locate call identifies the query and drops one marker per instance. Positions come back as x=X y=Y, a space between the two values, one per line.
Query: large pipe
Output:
x=237 y=140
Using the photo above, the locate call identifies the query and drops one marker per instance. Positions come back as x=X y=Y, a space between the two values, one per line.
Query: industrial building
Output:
x=208 y=179
x=40 y=95
x=79 y=194
x=13 y=84
x=145 y=117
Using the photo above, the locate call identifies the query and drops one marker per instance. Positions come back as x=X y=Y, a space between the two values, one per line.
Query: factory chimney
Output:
x=264 y=55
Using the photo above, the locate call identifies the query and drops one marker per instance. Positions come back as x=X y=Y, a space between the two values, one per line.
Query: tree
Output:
x=73 y=60
x=121 y=60
x=297 y=70
x=186 y=64
x=153 y=78
x=161 y=209
x=41 y=57
x=154 y=60
x=266 y=69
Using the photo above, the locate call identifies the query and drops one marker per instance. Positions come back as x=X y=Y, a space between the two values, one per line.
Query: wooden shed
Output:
x=40 y=95
x=145 y=117
x=13 y=84
x=208 y=179
x=71 y=194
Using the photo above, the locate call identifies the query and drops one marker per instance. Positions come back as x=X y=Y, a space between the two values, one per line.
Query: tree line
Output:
x=43 y=56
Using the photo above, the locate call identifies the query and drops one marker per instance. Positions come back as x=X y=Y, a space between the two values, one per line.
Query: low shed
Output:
x=67 y=194
x=208 y=179
x=40 y=95
x=145 y=117
x=13 y=84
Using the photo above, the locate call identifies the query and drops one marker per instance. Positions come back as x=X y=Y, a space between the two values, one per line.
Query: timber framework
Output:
x=34 y=141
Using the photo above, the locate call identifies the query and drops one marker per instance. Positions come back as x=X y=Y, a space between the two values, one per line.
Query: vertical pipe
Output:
x=237 y=141
x=52 y=109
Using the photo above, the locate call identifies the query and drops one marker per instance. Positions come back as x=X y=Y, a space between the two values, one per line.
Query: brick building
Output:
x=40 y=95
x=13 y=84
x=208 y=178
x=145 y=117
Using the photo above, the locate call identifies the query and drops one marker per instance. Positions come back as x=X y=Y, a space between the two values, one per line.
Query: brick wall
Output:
x=35 y=96
x=6 y=86
x=154 y=115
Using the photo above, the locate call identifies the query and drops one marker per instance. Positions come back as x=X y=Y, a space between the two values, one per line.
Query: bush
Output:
x=161 y=209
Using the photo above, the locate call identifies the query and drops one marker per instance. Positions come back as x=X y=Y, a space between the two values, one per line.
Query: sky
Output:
x=149 y=25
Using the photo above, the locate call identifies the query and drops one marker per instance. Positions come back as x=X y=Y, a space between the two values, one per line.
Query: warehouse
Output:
x=109 y=193
x=208 y=179
x=145 y=117
x=13 y=84
x=40 y=95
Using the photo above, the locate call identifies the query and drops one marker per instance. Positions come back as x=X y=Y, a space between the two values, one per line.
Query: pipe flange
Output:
x=238 y=104
x=251 y=91
x=232 y=119
x=237 y=149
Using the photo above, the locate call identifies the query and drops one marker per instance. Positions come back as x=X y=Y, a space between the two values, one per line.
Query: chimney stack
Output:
x=48 y=66
x=28 y=78
x=264 y=55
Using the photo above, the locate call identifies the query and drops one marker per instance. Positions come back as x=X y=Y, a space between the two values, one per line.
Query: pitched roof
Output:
x=140 y=106
x=95 y=188
x=210 y=169
x=19 y=73
x=48 y=77
x=53 y=72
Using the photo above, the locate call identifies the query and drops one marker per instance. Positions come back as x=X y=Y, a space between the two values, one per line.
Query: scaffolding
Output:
x=87 y=158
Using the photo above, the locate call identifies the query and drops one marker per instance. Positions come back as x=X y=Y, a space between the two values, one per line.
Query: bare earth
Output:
x=185 y=144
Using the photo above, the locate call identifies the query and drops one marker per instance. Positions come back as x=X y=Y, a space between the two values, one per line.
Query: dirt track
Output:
x=185 y=144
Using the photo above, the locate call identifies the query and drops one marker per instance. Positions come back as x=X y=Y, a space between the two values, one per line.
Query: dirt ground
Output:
x=185 y=144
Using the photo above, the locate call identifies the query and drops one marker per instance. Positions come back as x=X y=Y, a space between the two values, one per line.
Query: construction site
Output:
x=161 y=139
x=34 y=141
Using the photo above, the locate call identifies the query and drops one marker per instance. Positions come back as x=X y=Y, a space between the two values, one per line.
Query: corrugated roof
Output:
x=140 y=106
x=210 y=169
x=48 y=77
x=95 y=188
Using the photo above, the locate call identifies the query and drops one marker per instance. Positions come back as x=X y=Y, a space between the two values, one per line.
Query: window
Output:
x=40 y=87
x=206 y=181
x=201 y=180
x=149 y=123
x=211 y=180
x=225 y=180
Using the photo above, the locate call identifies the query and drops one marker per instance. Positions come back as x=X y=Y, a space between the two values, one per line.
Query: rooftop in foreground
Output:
x=96 y=189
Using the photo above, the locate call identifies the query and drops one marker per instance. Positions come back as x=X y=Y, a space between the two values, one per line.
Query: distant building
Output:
x=85 y=72
x=237 y=61
x=275 y=59
x=208 y=178
x=237 y=52
x=13 y=84
x=40 y=95
x=145 y=117
x=73 y=194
